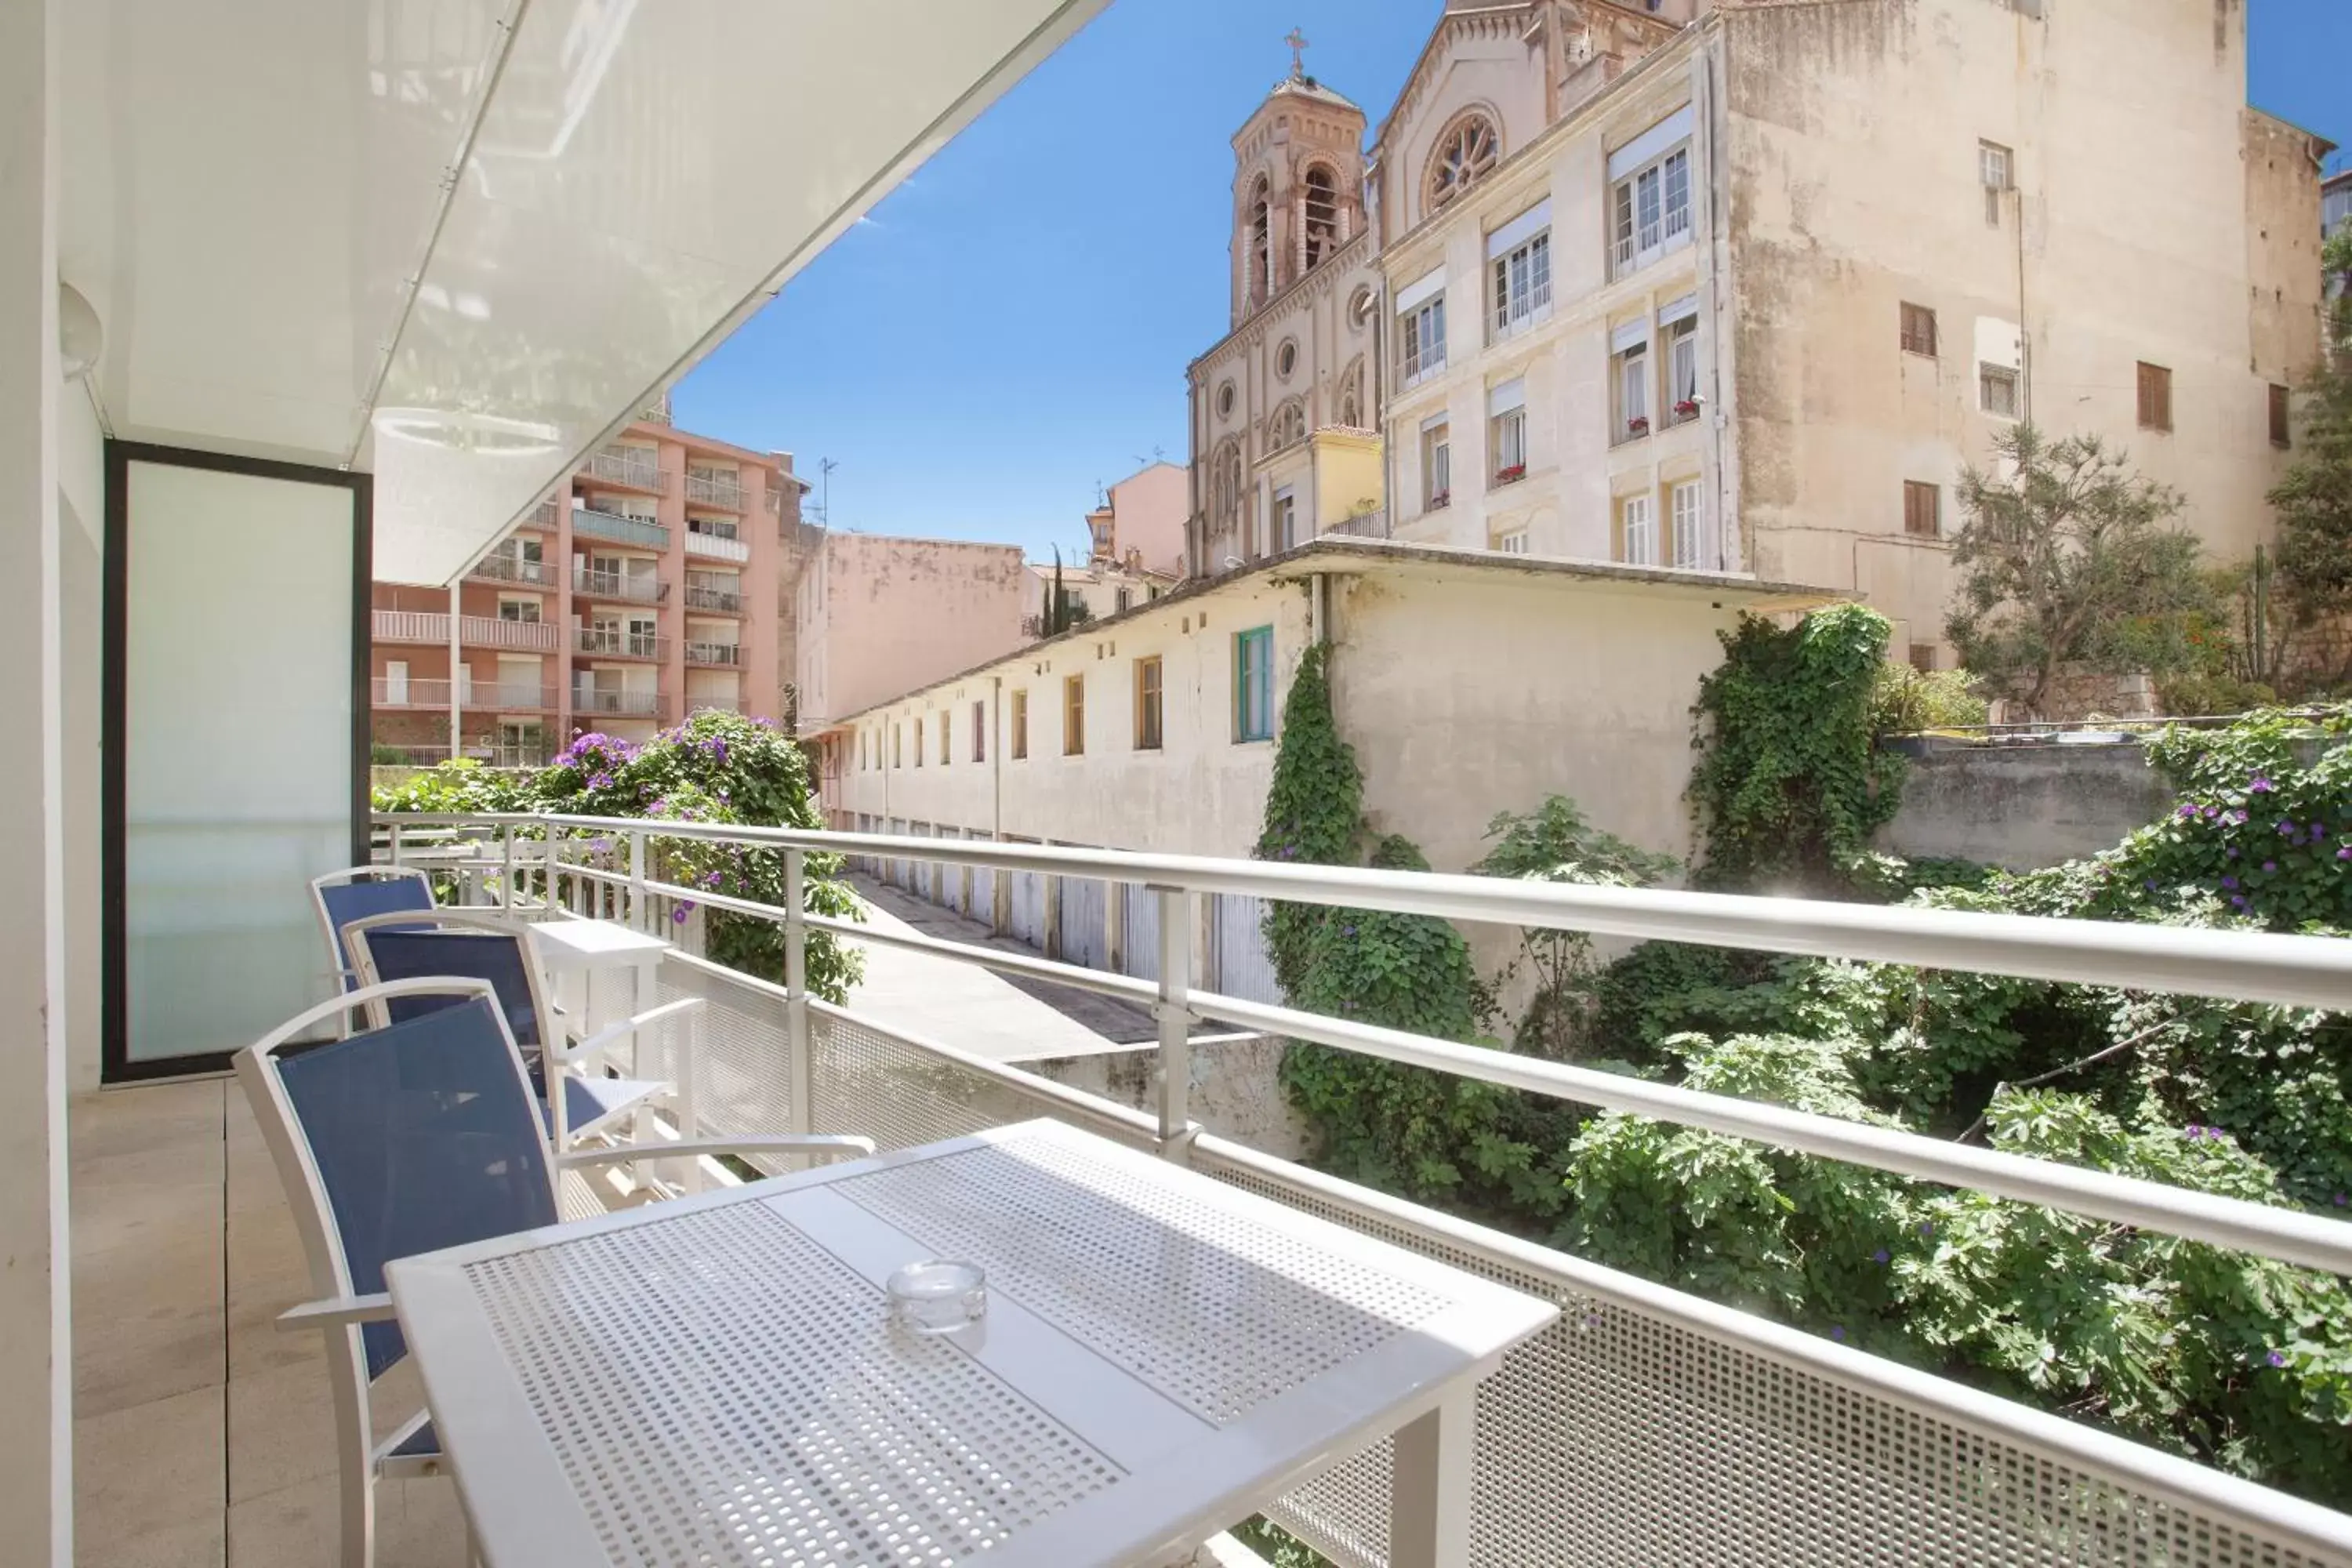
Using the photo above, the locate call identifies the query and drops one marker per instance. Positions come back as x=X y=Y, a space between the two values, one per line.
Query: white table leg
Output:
x=1429 y=1485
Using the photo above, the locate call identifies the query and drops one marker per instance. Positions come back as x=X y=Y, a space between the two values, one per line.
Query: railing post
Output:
x=506 y=868
x=639 y=917
x=802 y=1067
x=1175 y=1063
x=393 y=848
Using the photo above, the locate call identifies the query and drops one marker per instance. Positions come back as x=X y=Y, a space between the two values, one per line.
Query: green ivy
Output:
x=1789 y=783
x=1313 y=809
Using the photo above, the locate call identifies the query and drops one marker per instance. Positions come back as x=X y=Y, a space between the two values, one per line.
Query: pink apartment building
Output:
x=645 y=588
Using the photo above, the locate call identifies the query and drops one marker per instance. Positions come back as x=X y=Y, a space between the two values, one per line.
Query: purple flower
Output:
x=678 y=916
x=711 y=880
x=2150 y=883
x=1880 y=1256
x=1838 y=1332
x=2195 y=1130
x=1927 y=1227
x=2186 y=811
x=2238 y=900
x=2229 y=882
x=2277 y=1359
x=1350 y=931
x=2262 y=785
x=2345 y=853
x=2285 y=827
x=2319 y=830
x=602 y=781
x=2233 y=852
x=2236 y=818
x=2212 y=811
x=2270 y=864
x=2342 y=1199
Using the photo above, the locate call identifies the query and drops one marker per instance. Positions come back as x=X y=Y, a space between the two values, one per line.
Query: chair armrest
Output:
x=831 y=1146
x=611 y=1034
x=337 y=1312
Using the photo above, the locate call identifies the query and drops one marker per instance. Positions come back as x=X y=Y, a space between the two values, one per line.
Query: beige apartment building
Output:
x=1744 y=286
x=644 y=589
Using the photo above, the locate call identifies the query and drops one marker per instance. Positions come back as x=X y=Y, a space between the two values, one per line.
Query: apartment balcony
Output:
x=1367 y=525
x=508 y=697
x=624 y=587
x=603 y=643
x=587 y=523
x=716 y=600
x=388 y=693
x=410 y=626
x=696 y=703
x=621 y=705
x=517 y=637
x=717 y=546
x=721 y=490
x=546 y=514
x=512 y=569
x=715 y=653
x=627 y=470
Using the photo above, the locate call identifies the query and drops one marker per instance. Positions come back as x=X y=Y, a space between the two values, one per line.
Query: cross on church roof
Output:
x=1297 y=42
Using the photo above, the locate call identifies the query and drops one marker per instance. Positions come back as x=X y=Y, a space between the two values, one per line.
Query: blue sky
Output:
x=1011 y=327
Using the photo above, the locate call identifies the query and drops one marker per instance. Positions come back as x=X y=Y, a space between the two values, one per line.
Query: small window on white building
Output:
x=1286 y=519
x=1637 y=530
x=1630 y=385
x=1512 y=541
x=1506 y=431
x=1997 y=390
x=1682 y=508
x=1519 y=259
x=1420 y=330
x=1679 y=321
x=1649 y=194
x=1996 y=171
x=1436 y=463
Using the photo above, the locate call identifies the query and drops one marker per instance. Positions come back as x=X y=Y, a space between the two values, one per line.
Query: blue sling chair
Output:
x=484 y=945
x=357 y=893
x=411 y=1135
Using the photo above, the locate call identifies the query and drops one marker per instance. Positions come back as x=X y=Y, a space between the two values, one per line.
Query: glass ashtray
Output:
x=938 y=1297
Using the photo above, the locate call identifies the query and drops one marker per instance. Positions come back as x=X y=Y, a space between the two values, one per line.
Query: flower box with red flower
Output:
x=1686 y=409
x=1511 y=475
x=1441 y=498
x=1638 y=425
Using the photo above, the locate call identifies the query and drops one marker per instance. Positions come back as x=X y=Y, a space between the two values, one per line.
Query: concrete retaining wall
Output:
x=2023 y=807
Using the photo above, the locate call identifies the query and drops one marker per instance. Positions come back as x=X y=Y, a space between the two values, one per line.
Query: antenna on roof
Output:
x=824 y=467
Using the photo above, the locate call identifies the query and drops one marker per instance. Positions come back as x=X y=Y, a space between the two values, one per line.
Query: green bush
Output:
x=1905 y=701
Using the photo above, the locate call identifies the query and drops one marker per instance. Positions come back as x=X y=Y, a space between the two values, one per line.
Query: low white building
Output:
x=1468 y=683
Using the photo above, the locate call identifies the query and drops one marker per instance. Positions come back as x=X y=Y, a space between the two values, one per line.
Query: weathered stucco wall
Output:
x=879 y=616
x=2148 y=211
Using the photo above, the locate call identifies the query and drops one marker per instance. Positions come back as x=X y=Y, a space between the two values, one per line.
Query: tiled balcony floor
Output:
x=203 y=1436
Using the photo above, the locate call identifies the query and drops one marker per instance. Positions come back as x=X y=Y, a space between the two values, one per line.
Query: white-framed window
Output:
x=1650 y=198
x=1520 y=260
x=518 y=609
x=1420 y=330
x=1684 y=514
x=1679 y=321
x=1630 y=383
x=1506 y=432
x=1997 y=172
x=1285 y=518
x=1436 y=462
x=1637 y=525
x=1512 y=541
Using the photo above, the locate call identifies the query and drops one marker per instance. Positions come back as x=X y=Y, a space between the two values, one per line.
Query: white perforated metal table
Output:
x=714 y=1380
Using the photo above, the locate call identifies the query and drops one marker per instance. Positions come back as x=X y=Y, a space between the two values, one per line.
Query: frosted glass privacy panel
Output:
x=238 y=789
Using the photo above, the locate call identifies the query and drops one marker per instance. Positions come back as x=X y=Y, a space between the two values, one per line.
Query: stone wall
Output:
x=2022 y=807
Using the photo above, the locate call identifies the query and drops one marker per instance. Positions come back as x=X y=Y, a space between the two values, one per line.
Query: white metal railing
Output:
x=725 y=598
x=627 y=465
x=717 y=546
x=410 y=626
x=636 y=588
x=1649 y=1425
x=617 y=644
x=545 y=514
x=512 y=696
x=726 y=653
x=630 y=704
x=714 y=489
x=501 y=567
x=386 y=692
x=496 y=631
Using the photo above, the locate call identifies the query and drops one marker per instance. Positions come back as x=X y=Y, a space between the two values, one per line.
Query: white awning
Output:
x=1680 y=309
x=1420 y=292
x=1629 y=335
x=1520 y=229
x=1657 y=139
x=1504 y=396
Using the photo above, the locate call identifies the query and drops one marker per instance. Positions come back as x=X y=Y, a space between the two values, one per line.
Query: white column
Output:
x=36 y=1349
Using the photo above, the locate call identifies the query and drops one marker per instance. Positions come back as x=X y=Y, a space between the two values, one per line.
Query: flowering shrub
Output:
x=1687 y=408
x=1511 y=475
x=715 y=767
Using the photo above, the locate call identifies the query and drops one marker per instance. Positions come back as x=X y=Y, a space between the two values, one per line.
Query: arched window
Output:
x=1225 y=486
x=1261 y=245
x=1352 y=397
x=1466 y=151
x=1322 y=213
x=1288 y=427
